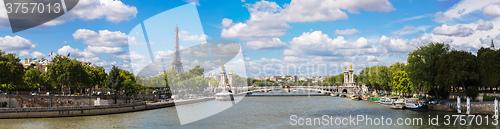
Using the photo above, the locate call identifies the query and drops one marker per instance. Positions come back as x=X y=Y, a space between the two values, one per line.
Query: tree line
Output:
x=436 y=70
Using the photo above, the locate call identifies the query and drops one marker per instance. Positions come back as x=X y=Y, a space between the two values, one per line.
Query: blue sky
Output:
x=301 y=37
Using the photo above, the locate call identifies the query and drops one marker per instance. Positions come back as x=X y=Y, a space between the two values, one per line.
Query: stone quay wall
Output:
x=45 y=112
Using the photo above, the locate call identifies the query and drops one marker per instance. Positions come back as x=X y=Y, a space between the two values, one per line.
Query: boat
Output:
x=356 y=97
x=387 y=101
x=375 y=99
x=335 y=94
x=224 y=96
x=398 y=104
x=365 y=97
x=414 y=104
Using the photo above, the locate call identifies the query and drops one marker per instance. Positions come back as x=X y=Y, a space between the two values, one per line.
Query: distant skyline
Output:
x=297 y=37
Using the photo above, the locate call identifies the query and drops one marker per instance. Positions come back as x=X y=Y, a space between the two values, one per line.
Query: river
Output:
x=262 y=112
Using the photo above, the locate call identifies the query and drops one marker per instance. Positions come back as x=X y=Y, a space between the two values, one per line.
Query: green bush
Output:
x=489 y=98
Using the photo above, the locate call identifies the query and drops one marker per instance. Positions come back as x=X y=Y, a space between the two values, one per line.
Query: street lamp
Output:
x=90 y=95
x=39 y=76
x=80 y=84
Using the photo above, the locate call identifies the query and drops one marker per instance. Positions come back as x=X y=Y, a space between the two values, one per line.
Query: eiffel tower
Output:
x=176 y=64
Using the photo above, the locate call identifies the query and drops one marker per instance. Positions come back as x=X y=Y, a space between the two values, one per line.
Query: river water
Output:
x=265 y=112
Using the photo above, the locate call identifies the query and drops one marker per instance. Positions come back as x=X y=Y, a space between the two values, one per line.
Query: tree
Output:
x=97 y=76
x=364 y=76
x=11 y=71
x=372 y=77
x=130 y=86
x=66 y=71
x=33 y=78
x=197 y=71
x=421 y=66
x=393 y=69
x=457 y=68
x=489 y=68
x=401 y=82
x=383 y=78
x=114 y=82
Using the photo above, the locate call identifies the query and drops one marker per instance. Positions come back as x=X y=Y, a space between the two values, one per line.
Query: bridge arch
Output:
x=344 y=91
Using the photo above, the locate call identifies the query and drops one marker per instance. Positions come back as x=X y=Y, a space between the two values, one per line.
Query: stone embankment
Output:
x=44 y=112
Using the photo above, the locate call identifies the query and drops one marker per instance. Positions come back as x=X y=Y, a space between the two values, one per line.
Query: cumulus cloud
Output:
x=102 y=38
x=465 y=10
x=15 y=44
x=484 y=25
x=271 y=43
x=319 y=44
x=346 y=31
x=112 y=10
x=491 y=11
x=268 y=20
x=76 y=53
x=107 y=50
x=456 y=30
x=184 y=36
x=226 y=22
x=35 y=54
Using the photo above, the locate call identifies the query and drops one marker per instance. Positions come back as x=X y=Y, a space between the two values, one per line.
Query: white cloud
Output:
x=76 y=53
x=132 y=55
x=112 y=10
x=37 y=54
x=319 y=44
x=347 y=31
x=108 y=50
x=484 y=25
x=268 y=20
x=465 y=10
x=184 y=36
x=410 y=30
x=103 y=38
x=226 y=22
x=268 y=43
x=491 y=11
x=15 y=44
x=163 y=54
x=408 y=27
x=397 y=45
x=455 y=30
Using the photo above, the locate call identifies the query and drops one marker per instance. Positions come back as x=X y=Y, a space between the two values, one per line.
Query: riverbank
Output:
x=45 y=112
x=478 y=108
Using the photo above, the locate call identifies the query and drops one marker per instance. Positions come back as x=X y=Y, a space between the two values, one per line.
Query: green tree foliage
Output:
x=114 y=82
x=457 y=69
x=393 y=69
x=421 y=66
x=197 y=71
x=65 y=71
x=401 y=82
x=239 y=81
x=97 y=76
x=383 y=78
x=489 y=67
x=33 y=78
x=130 y=86
x=11 y=70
